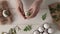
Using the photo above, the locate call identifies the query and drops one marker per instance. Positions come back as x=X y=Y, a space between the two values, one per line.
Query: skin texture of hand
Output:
x=34 y=9
x=21 y=8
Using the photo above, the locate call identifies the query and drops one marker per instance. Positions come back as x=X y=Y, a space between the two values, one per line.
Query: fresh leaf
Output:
x=28 y=28
x=44 y=16
x=11 y=31
x=14 y=30
x=28 y=13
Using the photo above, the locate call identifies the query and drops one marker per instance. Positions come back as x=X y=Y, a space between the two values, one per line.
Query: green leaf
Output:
x=14 y=30
x=28 y=13
x=11 y=31
x=28 y=28
x=44 y=16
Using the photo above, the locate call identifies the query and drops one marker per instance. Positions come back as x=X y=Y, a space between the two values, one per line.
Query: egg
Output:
x=40 y=29
x=27 y=13
x=36 y=32
x=4 y=13
x=46 y=26
x=50 y=30
x=45 y=33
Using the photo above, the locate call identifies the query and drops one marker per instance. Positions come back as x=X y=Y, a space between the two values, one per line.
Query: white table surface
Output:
x=35 y=22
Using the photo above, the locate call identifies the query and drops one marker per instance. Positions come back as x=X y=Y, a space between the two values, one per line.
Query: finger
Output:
x=31 y=12
x=34 y=13
x=22 y=12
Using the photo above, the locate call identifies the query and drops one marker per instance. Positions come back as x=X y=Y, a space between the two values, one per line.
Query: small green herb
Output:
x=28 y=28
x=14 y=30
x=44 y=16
x=28 y=14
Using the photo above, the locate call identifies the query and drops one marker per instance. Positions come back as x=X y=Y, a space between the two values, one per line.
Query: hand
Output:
x=20 y=7
x=33 y=10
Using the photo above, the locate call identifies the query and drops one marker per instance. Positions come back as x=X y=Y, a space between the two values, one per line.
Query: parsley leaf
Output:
x=44 y=16
x=27 y=28
x=28 y=13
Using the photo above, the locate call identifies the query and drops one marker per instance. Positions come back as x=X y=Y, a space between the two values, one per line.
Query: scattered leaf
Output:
x=14 y=30
x=28 y=28
x=44 y=16
x=28 y=13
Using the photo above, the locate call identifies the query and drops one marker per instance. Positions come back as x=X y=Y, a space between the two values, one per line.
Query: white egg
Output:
x=41 y=29
x=26 y=13
x=36 y=32
x=50 y=30
x=4 y=13
x=46 y=26
x=45 y=33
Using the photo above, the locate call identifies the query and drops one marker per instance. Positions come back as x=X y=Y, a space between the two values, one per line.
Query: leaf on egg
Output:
x=28 y=14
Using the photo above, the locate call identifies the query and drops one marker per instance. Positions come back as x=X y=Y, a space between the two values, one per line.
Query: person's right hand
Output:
x=34 y=9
